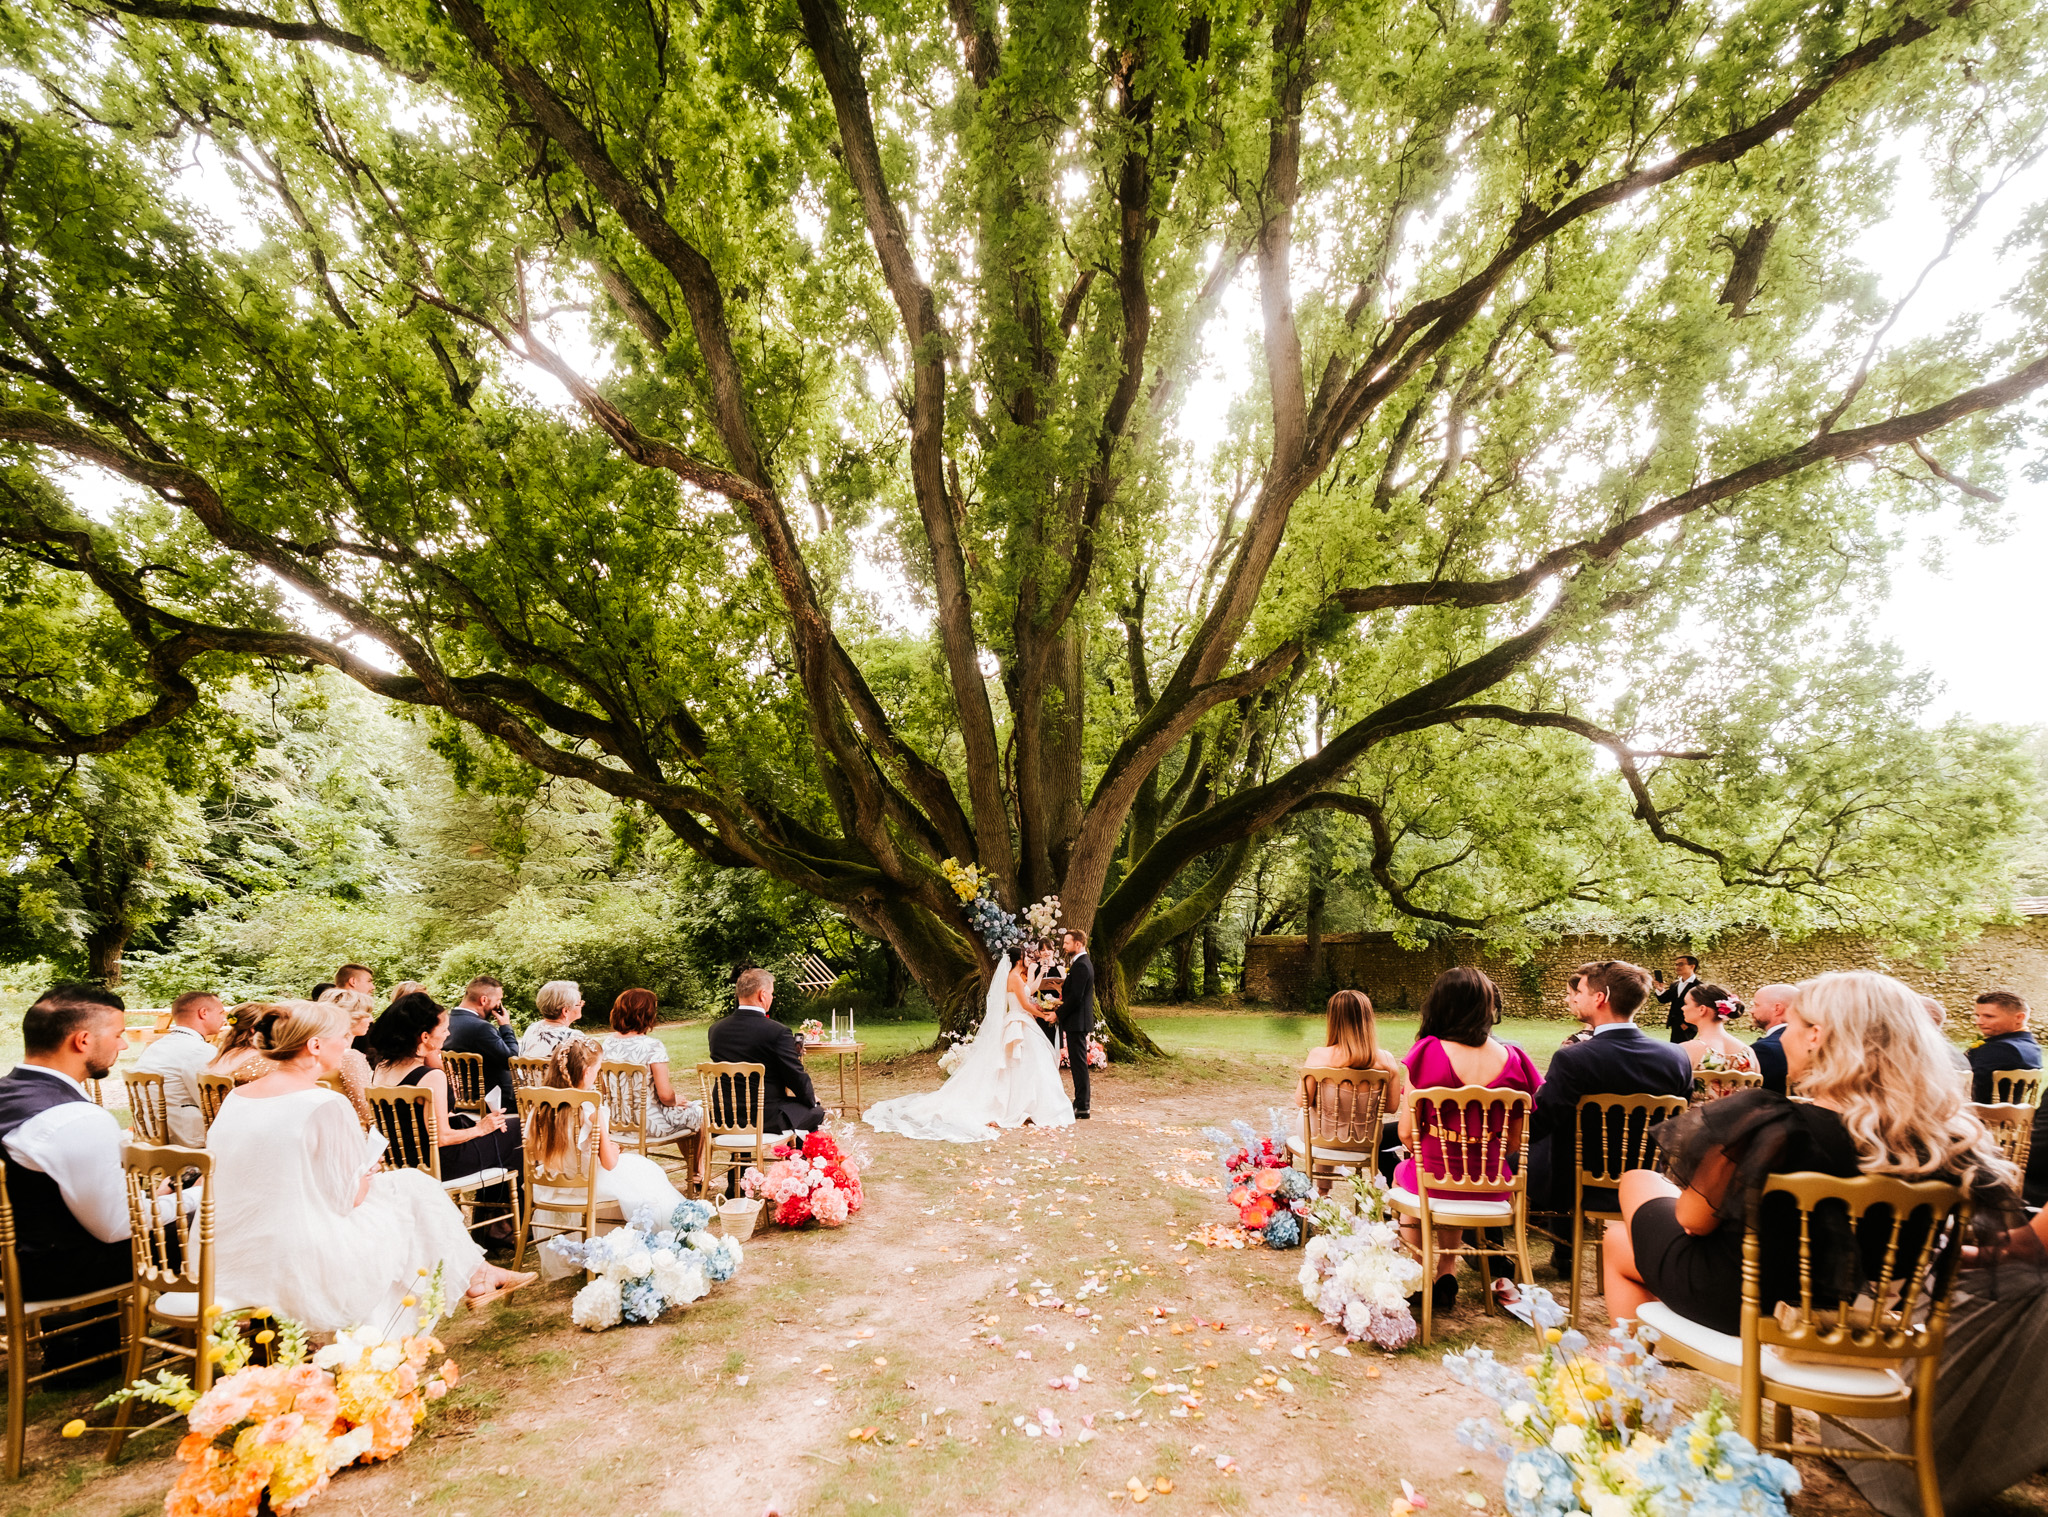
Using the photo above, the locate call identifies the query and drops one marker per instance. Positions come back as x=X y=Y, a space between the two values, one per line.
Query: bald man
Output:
x=1769 y=1006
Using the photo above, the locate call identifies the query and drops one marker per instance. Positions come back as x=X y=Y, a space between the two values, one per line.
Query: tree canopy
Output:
x=776 y=417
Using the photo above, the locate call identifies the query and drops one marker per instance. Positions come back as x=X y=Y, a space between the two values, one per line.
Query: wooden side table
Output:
x=841 y=1051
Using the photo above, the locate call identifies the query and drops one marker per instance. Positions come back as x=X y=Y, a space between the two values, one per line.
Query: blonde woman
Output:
x=354 y=1070
x=241 y=1046
x=306 y=1223
x=1859 y=1048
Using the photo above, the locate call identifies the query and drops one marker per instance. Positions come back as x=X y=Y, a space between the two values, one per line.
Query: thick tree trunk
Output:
x=1212 y=960
x=103 y=949
x=1126 y=1040
x=1184 y=968
x=896 y=979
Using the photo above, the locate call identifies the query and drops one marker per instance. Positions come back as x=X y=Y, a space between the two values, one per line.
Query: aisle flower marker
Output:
x=814 y=1181
x=281 y=1431
x=649 y=1266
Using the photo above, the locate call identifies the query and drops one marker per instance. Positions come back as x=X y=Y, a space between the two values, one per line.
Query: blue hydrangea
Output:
x=1283 y=1231
x=639 y=1301
x=1294 y=1186
x=690 y=1216
x=722 y=1262
x=1538 y=1483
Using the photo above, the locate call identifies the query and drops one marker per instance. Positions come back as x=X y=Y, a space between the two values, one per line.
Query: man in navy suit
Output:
x=1619 y=1059
x=1769 y=1006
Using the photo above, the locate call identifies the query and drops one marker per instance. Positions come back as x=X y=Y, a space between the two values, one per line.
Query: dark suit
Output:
x=1770 y=1059
x=750 y=1036
x=1077 y=1021
x=1624 y=1062
x=469 y=1032
x=2009 y=1050
x=1673 y=997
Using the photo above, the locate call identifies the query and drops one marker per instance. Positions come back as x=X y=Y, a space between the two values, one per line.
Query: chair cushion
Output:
x=744 y=1140
x=1334 y=1151
x=1449 y=1209
x=1846 y=1378
x=181 y=1305
x=480 y=1178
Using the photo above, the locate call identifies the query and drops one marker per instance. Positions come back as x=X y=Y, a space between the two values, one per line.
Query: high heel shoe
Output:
x=1444 y=1294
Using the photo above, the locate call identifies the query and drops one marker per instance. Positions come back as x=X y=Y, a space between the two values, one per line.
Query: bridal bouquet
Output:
x=645 y=1268
x=1582 y=1433
x=1354 y=1270
x=813 y=1182
x=280 y=1431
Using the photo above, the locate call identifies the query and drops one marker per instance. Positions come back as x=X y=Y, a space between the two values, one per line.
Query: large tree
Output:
x=580 y=373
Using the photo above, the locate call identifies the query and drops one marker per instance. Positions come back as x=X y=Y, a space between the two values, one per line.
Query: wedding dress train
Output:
x=1009 y=1076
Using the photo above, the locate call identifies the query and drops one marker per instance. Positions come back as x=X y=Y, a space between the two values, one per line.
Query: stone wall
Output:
x=2008 y=957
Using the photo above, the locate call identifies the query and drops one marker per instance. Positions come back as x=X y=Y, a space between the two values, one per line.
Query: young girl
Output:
x=633 y=1182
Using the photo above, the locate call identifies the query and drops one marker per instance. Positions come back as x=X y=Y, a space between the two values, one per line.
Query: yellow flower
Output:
x=266 y=1336
x=409 y=1301
x=75 y=1428
x=1552 y=1335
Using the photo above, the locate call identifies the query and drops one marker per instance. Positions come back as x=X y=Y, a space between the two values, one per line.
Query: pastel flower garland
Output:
x=648 y=1266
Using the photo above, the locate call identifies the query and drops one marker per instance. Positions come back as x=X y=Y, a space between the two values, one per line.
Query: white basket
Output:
x=736 y=1218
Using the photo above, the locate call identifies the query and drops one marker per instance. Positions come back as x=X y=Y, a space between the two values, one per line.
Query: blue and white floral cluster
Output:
x=1590 y=1435
x=641 y=1270
x=1355 y=1271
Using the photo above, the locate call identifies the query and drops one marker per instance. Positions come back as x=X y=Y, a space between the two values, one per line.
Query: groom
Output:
x=1077 y=1013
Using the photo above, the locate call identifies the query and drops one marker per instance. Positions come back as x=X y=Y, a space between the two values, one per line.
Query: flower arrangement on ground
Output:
x=1583 y=1433
x=1355 y=1271
x=1271 y=1197
x=282 y=1430
x=814 y=1181
x=957 y=1044
x=641 y=1270
x=1098 y=1055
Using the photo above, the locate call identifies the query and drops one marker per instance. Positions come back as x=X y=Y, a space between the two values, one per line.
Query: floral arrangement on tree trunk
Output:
x=1270 y=1195
x=648 y=1266
x=1583 y=1433
x=1354 y=1271
x=280 y=1431
x=1098 y=1055
x=812 y=1182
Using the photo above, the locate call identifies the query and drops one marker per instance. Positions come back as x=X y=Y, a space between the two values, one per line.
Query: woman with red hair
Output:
x=632 y=1041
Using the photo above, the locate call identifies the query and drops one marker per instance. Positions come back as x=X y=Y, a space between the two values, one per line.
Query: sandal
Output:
x=504 y=1288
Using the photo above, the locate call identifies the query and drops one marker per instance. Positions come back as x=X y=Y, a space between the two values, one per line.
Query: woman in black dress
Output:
x=1860 y=1051
x=408 y=1038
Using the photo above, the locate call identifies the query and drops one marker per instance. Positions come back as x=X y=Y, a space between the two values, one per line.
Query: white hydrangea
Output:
x=597 y=1306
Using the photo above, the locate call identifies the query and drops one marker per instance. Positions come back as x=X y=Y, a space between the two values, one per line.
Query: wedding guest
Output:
x=241 y=1049
x=305 y=1222
x=1938 y=1015
x=1353 y=1043
x=1858 y=1046
x=179 y=1055
x=63 y=1160
x=408 y=1037
x=669 y=1115
x=1618 y=1059
x=1687 y=969
x=405 y=988
x=632 y=1182
x=2003 y=1041
x=560 y=1004
x=1709 y=1008
x=1767 y=1009
x=1454 y=1045
x=355 y=977
x=353 y=1071
x=479 y=1025
x=748 y=1035
x=319 y=991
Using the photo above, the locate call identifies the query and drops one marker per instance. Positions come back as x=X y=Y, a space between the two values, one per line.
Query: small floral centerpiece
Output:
x=811 y=1030
x=1584 y=1433
x=278 y=1432
x=1098 y=1055
x=1354 y=1270
x=957 y=1044
x=1271 y=1197
x=814 y=1181
x=643 y=1269
x=1042 y=918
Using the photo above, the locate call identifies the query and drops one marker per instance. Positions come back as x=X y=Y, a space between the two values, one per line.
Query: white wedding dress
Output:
x=289 y=1235
x=1009 y=1076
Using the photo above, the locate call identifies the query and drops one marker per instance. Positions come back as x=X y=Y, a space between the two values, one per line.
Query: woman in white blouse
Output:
x=306 y=1223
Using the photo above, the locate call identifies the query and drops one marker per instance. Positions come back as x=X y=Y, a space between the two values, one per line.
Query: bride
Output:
x=1009 y=1076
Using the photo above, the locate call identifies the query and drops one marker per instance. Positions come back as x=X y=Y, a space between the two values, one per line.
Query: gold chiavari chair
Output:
x=1612 y=1137
x=734 y=1108
x=404 y=1114
x=1875 y=1358
x=1712 y=1084
x=148 y=1111
x=529 y=1074
x=173 y=1269
x=629 y=1092
x=1477 y=1177
x=214 y=1089
x=27 y=1333
x=2017 y=1087
x=97 y=1090
x=2011 y=1126
x=561 y=1190
x=1343 y=1115
x=465 y=1073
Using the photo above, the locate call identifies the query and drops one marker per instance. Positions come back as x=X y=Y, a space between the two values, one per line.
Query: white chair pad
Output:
x=1844 y=1379
x=478 y=1180
x=744 y=1140
x=181 y=1306
x=1450 y=1209
x=1332 y=1151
